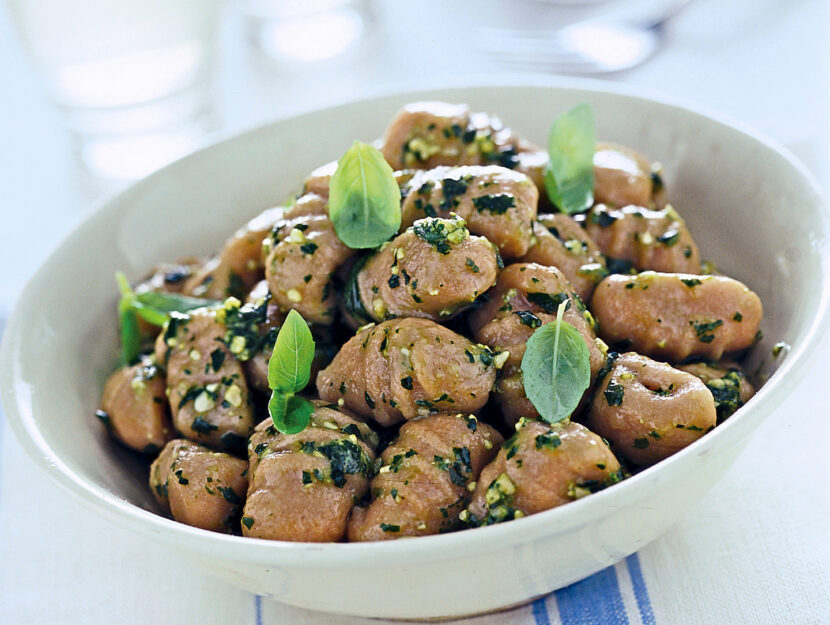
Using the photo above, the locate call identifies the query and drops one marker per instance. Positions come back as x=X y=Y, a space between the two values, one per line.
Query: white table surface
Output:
x=755 y=550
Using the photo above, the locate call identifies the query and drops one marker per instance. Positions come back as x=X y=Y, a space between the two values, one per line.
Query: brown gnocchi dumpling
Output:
x=432 y=270
x=672 y=316
x=559 y=241
x=650 y=410
x=496 y=203
x=645 y=239
x=405 y=368
x=134 y=407
x=303 y=256
x=527 y=296
x=239 y=266
x=304 y=486
x=199 y=486
x=209 y=397
x=540 y=467
x=426 y=477
x=623 y=176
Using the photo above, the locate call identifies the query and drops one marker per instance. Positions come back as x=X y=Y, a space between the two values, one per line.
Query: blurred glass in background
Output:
x=132 y=77
x=306 y=30
x=135 y=79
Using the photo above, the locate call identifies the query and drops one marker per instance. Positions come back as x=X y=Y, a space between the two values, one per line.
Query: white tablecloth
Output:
x=755 y=550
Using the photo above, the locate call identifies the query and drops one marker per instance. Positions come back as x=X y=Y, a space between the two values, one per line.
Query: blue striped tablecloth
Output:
x=614 y=596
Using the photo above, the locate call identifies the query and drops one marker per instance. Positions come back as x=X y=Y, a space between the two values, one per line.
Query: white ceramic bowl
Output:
x=750 y=206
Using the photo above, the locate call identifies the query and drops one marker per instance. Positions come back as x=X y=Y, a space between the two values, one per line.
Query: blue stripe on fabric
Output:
x=593 y=601
x=640 y=589
x=540 y=612
x=258 y=609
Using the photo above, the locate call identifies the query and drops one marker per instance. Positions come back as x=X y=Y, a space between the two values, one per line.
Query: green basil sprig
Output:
x=152 y=307
x=569 y=175
x=127 y=321
x=364 y=198
x=289 y=371
x=556 y=368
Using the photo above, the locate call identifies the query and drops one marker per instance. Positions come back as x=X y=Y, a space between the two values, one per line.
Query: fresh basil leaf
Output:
x=124 y=285
x=127 y=321
x=150 y=315
x=290 y=413
x=289 y=368
x=277 y=407
x=364 y=198
x=130 y=334
x=569 y=175
x=154 y=307
x=556 y=369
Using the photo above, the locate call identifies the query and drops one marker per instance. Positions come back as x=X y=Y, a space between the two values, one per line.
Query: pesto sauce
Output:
x=472 y=265
x=242 y=328
x=549 y=440
x=528 y=318
x=202 y=427
x=704 y=330
x=497 y=204
x=549 y=303
x=499 y=499
x=602 y=218
x=614 y=394
x=452 y=188
x=441 y=233
x=727 y=393
x=217 y=357
x=230 y=495
x=459 y=467
x=345 y=458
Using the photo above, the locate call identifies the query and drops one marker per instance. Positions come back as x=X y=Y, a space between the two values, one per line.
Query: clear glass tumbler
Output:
x=133 y=77
x=291 y=31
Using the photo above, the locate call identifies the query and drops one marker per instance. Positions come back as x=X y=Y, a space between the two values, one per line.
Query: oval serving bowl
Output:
x=750 y=206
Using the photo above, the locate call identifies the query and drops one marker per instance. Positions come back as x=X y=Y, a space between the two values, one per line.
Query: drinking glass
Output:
x=132 y=77
x=292 y=31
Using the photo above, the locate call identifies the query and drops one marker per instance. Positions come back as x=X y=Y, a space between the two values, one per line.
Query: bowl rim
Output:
x=16 y=398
